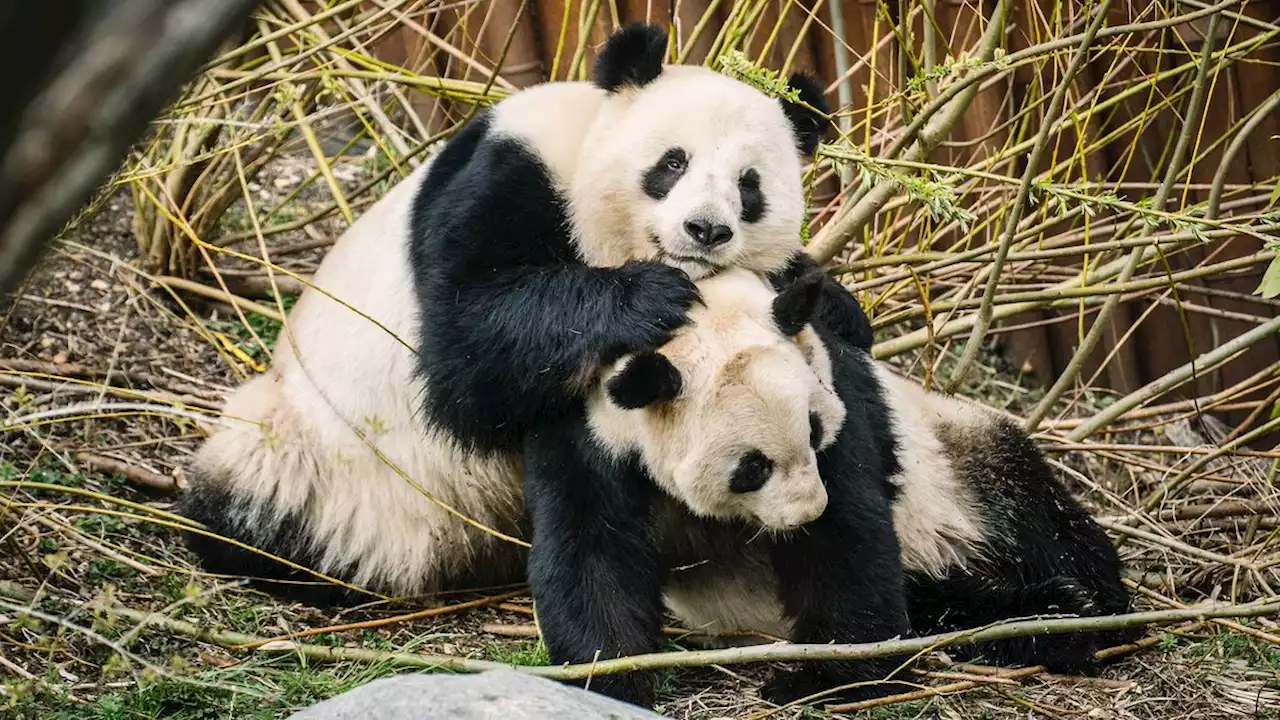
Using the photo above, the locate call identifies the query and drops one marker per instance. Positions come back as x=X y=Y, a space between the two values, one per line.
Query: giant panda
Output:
x=984 y=532
x=332 y=461
x=733 y=475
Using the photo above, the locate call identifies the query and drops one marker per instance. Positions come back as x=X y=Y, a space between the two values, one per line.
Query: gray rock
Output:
x=494 y=695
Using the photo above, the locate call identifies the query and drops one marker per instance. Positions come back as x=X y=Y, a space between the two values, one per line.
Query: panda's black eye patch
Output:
x=753 y=204
x=664 y=174
x=815 y=430
x=752 y=473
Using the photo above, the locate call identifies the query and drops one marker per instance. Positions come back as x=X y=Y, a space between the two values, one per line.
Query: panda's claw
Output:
x=656 y=302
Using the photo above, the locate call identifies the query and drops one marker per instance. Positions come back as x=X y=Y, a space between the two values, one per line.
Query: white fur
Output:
x=552 y=119
x=732 y=592
x=745 y=386
x=938 y=526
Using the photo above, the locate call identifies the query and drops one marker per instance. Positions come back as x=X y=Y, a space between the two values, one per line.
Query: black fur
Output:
x=594 y=564
x=809 y=126
x=1046 y=556
x=648 y=378
x=753 y=471
x=840 y=576
x=839 y=311
x=663 y=176
x=631 y=57
x=597 y=585
x=513 y=324
x=214 y=506
x=753 y=203
x=793 y=307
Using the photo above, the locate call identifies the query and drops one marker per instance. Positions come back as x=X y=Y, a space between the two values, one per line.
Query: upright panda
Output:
x=724 y=472
x=714 y=419
x=472 y=283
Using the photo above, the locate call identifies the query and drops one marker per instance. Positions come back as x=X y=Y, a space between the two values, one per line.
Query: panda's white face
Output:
x=694 y=169
x=729 y=415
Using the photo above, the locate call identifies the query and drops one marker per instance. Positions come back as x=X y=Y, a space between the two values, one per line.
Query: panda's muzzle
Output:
x=708 y=234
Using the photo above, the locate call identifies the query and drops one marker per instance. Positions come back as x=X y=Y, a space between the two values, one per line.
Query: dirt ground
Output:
x=67 y=542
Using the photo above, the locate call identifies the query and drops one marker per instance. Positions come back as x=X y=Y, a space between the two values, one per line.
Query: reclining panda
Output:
x=749 y=468
x=480 y=296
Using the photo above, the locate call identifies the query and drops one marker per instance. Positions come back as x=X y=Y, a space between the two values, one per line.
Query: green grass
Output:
x=266 y=328
x=251 y=692
x=529 y=652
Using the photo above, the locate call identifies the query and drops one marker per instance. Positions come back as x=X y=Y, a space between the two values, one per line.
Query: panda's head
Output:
x=728 y=416
x=689 y=167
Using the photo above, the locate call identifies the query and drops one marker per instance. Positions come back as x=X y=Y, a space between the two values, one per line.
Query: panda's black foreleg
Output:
x=840 y=578
x=593 y=566
x=504 y=351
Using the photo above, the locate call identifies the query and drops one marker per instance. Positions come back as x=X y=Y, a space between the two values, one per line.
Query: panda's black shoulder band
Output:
x=631 y=57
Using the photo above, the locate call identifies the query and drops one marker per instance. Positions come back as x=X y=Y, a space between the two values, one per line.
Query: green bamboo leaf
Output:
x=1270 y=285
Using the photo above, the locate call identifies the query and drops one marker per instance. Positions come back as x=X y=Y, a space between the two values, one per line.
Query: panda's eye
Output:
x=753 y=471
x=663 y=175
x=750 y=180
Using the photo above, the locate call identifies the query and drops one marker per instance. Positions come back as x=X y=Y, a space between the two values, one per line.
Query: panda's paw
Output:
x=657 y=300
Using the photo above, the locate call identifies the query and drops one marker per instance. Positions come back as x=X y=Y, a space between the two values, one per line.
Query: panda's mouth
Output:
x=676 y=259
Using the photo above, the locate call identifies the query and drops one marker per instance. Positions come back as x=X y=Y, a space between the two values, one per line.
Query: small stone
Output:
x=75 y=275
x=46 y=342
x=100 y=285
x=60 y=358
x=73 y=288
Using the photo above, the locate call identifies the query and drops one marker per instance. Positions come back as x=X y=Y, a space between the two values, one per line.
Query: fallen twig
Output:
x=383 y=622
x=90 y=388
x=175 y=283
x=54 y=371
x=778 y=652
x=142 y=476
x=996 y=674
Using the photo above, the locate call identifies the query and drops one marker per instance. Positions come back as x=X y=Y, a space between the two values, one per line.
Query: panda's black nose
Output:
x=707 y=234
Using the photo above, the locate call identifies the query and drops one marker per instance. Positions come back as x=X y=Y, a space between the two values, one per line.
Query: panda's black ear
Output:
x=794 y=306
x=649 y=378
x=631 y=57
x=808 y=126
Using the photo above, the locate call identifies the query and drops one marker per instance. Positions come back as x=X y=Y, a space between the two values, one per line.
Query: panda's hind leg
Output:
x=232 y=543
x=964 y=602
x=840 y=579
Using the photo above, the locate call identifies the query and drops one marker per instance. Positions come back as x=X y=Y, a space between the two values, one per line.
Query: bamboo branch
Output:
x=1102 y=323
x=778 y=652
x=983 y=323
x=1206 y=361
x=836 y=233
